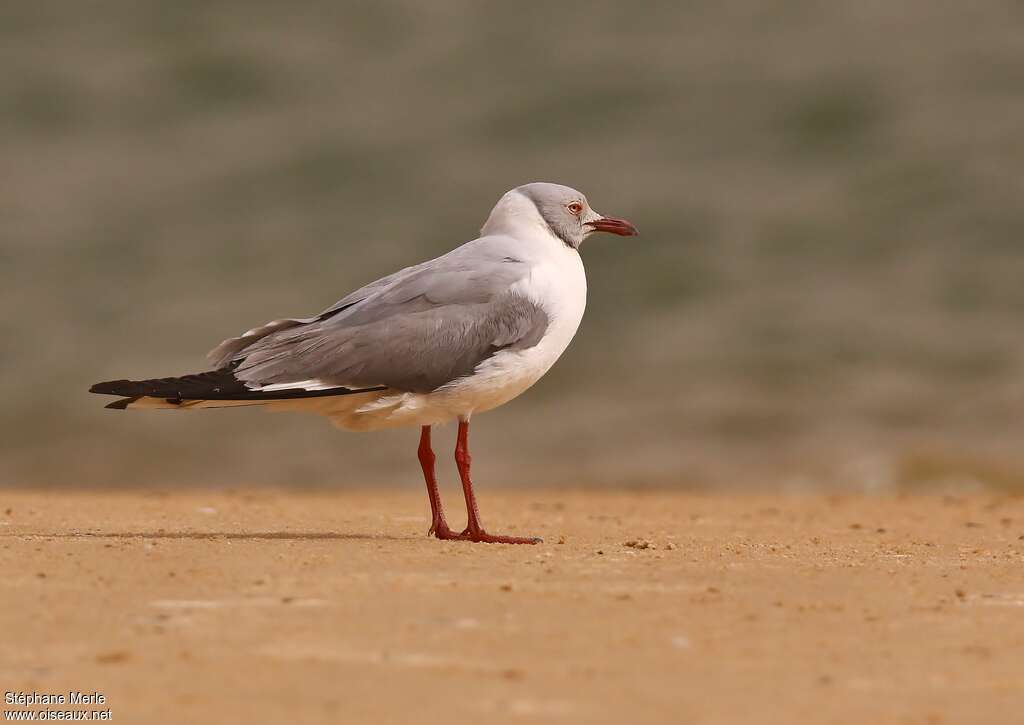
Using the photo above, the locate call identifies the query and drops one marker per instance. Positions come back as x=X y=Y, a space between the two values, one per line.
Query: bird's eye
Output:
x=575 y=208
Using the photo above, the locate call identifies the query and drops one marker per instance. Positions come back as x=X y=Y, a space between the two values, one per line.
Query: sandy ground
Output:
x=260 y=606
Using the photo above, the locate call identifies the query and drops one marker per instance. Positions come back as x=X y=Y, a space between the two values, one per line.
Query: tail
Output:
x=214 y=389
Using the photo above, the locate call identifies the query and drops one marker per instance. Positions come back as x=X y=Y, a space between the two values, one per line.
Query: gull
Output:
x=433 y=343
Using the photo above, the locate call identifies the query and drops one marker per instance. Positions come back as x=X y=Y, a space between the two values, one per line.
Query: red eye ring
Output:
x=575 y=208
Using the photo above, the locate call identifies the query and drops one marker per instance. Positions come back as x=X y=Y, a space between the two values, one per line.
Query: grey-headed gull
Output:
x=436 y=342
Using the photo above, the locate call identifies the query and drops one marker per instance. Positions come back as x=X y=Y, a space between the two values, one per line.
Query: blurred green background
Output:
x=828 y=289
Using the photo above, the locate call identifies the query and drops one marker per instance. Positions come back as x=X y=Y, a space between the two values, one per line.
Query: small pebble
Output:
x=110 y=658
x=639 y=544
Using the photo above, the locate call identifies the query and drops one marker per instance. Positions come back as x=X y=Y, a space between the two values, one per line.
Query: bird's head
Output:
x=564 y=211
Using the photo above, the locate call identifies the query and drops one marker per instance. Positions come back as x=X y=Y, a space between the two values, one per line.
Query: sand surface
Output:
x=271 y=606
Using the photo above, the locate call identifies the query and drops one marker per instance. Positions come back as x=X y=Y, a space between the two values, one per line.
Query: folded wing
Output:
x=412 y=331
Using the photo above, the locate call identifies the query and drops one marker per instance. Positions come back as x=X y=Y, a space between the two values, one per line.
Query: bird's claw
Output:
x=440 y=530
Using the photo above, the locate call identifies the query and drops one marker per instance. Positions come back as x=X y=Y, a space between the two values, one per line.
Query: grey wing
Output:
x=223 y=355
x=414 y=331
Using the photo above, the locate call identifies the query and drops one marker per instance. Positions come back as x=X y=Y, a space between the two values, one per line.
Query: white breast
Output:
x=558 y=285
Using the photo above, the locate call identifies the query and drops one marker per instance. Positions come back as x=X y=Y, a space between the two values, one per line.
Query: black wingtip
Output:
x=212 y=385
x=110 y=387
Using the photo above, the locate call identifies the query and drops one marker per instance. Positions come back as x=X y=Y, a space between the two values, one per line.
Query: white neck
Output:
x=515 y=215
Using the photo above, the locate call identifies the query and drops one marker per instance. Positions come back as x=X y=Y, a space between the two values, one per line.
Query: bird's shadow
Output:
x=214 y=535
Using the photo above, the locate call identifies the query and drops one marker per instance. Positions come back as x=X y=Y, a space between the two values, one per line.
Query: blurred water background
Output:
x=828 y=289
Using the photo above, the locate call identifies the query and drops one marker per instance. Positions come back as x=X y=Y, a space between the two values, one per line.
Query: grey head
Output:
x=568 y=215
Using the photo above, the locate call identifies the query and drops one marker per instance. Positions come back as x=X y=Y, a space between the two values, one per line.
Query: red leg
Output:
x=438 y=526
x=474 y=530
